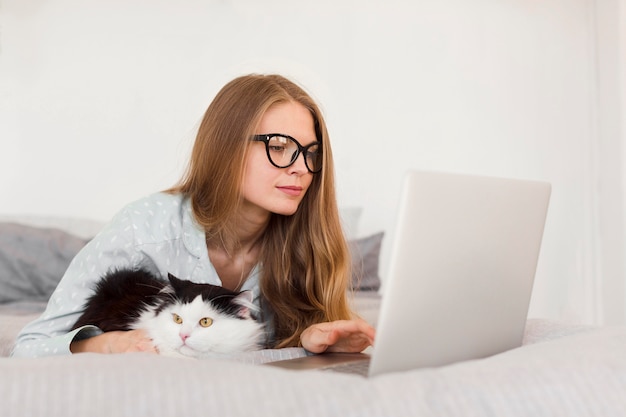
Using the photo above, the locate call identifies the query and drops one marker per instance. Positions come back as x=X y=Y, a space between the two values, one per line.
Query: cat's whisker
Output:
x=159 y=288
x=223 y=296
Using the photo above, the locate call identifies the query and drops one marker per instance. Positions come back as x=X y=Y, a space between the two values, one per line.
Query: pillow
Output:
x=365 y=254
x=33 y=260
x=77 y=226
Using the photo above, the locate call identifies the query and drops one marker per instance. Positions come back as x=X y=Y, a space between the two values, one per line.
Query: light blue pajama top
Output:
x=158 y=233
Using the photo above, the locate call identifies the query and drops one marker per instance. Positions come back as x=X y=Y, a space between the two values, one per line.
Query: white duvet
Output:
x=560 y=371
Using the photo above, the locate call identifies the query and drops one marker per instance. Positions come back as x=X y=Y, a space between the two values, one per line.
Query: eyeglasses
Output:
x=283 y=150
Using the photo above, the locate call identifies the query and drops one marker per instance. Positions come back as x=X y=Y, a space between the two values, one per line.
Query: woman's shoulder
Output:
x=155 y=209
x=158 y=202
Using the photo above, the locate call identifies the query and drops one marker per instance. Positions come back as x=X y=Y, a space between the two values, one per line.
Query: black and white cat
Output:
x=182 y=318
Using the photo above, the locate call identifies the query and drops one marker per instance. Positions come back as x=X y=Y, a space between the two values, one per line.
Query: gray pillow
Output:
x=365 y=254
x=33 y=260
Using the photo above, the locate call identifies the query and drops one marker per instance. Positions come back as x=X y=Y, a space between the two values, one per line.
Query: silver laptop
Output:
x=462 y=267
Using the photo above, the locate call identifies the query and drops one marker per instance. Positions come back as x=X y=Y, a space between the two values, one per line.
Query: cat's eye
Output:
x=177 y=319
x=206 y=322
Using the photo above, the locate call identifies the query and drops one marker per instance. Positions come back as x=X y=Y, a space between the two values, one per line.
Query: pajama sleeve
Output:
x=51 y=333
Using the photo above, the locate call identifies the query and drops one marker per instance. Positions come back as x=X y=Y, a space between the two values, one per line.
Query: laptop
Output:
x=462 y=266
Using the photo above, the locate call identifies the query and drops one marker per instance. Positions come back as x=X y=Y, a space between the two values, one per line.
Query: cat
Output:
x=181 y=317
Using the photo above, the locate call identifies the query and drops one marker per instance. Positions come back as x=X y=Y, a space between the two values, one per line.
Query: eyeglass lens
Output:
x=283 y=152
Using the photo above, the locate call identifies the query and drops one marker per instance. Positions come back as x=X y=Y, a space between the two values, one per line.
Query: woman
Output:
x=255 y=211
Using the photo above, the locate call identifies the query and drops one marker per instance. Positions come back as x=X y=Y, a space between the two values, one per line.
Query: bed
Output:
x=560 y=369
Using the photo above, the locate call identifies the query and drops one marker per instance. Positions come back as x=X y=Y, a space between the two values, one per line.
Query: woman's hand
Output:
x=115 y=342
x=338 y=336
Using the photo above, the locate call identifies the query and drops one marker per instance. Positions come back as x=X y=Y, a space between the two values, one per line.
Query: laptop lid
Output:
x=462 y=267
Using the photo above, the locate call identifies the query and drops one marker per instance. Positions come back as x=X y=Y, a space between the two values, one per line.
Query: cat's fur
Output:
x=171 y=313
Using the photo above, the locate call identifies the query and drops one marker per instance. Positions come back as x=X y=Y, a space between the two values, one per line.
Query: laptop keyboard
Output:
x=357 y=368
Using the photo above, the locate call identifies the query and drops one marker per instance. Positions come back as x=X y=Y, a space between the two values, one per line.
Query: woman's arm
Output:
x=51 y=333
x=338 y=336
x=115 y=342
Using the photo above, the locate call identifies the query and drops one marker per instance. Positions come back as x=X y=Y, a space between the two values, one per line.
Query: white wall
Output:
x=98 y=102
x=609 y=117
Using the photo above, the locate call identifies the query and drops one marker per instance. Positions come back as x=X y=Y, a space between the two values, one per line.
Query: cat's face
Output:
x=197 y=329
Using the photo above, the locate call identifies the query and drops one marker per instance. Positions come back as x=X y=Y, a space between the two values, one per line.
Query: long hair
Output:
x=304 y=257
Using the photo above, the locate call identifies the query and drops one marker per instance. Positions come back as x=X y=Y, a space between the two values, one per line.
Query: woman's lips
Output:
x=293 y=191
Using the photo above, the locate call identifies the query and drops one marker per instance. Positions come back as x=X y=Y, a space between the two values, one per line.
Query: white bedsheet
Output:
x=560 y=371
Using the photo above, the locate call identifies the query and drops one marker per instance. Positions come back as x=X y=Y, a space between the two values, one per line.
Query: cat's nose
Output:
x=183 y=336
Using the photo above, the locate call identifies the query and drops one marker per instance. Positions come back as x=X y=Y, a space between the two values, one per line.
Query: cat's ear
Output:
x=244 y=300
x=176 y=282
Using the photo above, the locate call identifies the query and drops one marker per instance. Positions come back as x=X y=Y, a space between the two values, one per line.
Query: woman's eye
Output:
x=277 y=148
x=177 y=319
x=206 y=322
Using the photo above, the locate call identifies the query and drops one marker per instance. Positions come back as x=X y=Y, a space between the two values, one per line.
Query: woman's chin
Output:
x=286 y=210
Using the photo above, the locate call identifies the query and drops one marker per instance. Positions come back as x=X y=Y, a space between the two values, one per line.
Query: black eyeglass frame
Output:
x=265 y=138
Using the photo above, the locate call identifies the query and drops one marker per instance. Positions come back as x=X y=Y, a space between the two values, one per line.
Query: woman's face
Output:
x=266 y=188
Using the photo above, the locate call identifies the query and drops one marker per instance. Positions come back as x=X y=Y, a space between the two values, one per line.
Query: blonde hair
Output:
x=304 y=257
